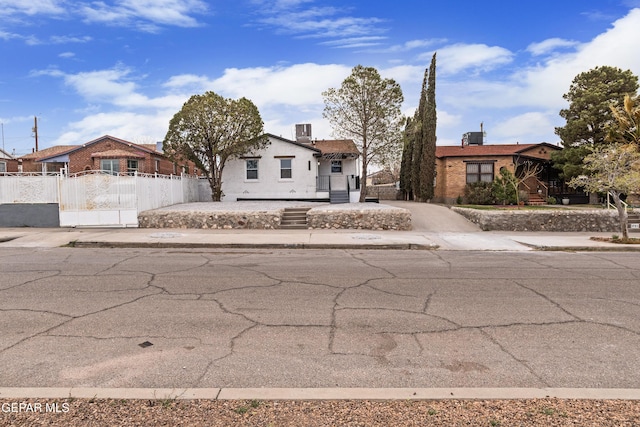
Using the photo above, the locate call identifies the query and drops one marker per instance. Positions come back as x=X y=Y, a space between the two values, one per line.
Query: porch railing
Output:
x=323 y=182
x=545 y=190
x=613 y=206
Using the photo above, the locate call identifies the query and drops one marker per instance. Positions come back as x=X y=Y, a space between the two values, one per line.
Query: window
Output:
x=3 y=167
x=157 y=162
x=479 y=172
x=111 y=166
x=252 y=169
x=336 y=166
x=285 y=168
x=132 y=166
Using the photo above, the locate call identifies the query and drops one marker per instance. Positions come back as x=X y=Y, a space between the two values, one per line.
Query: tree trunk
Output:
x=215 y=182
x=363 y=174
x=363 y=184
x=622 y=215
x=216 y=190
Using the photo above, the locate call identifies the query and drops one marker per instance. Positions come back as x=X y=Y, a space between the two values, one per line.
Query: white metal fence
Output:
x=16 y=188
x=98 y=199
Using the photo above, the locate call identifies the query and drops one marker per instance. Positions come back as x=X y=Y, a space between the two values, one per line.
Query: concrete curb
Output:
x=162 y=245
x=319 y=393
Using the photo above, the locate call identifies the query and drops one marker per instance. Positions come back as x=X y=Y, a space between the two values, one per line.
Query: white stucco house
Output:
x=305 y=169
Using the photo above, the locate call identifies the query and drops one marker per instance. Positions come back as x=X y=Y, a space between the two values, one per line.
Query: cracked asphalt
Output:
x=73 y=317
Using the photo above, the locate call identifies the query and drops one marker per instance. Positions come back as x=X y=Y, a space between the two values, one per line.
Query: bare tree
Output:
x=366 y=108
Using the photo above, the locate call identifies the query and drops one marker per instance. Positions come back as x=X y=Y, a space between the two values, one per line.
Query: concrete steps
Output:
x=339 y=196
x=535 y=199
x=294 y=219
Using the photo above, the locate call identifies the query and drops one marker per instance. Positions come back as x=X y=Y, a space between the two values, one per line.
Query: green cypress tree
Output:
x=407 y=160
x=428 y=125
x=416 y=182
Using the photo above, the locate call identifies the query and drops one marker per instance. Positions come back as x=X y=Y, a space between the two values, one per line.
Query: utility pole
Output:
x=35 y=130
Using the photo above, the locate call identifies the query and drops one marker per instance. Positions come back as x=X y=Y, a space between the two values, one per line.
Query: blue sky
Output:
x=123 y=68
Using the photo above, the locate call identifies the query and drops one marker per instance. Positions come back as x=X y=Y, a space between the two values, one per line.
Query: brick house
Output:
x=7 y=162
x=106 y=153
x=456 y=166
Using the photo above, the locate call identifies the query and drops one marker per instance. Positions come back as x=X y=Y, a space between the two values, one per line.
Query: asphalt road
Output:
x=332 y=318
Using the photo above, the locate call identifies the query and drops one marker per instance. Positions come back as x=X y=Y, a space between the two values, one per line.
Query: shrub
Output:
x=504 y=187
x=479 y=193
x=524 y=196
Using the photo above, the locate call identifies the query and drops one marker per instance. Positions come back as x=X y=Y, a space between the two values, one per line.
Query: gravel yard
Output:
x=535 y=412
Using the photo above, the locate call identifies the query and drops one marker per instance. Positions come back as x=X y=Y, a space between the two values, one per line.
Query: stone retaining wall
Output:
x=367 y=219
x=369 y=216
x=210 y=220
x=558 y=220
x=383 y=192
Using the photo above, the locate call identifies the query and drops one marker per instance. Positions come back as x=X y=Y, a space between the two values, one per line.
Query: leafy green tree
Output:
x=366 y=108
x=612 y=169
x=210 y=129
x=589 y=114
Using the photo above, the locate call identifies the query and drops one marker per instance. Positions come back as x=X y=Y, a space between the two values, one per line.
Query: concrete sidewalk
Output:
x=306 y=239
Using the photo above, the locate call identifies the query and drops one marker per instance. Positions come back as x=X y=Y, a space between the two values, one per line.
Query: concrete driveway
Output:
x=434 y=218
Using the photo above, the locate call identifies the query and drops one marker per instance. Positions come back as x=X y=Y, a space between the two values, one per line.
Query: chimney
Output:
x=159 y=146
x=303 y=133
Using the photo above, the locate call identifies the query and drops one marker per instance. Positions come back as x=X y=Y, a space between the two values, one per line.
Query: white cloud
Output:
x=187 y=80
x=4 y=35
x=31 y=7
x=408 y=46
x=146 y=15
x=459 y=57
x=33 y=40
x=125 y=125
x=355 y=42
x=301 y=19
x=299 y=85
x=550 y=45
x=533 y=124
x=115 y=87
x=67 y=55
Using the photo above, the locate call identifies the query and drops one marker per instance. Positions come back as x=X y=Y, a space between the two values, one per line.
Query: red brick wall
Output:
x=81 y=160
x=12 y=165
x=451 y=178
